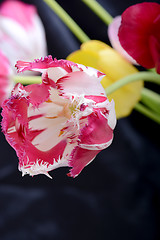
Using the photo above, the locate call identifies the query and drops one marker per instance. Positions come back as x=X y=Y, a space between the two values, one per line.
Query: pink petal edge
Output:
x=113 y=29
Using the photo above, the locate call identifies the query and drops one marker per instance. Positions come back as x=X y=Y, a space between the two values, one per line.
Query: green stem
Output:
x=147 y=112
x=146 y=76
x=151 y=99
x=99 y=11
x=25 y=80
x=72 y=25
x=152 y=70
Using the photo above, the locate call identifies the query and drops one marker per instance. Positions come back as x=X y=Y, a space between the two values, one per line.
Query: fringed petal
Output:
x=27 y=129
x=41 y=64
x=79 y=159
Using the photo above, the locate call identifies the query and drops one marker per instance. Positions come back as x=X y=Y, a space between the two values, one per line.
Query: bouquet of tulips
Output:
x=66 y=115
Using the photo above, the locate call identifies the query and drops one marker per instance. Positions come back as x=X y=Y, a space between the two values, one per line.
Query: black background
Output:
x=117 y=196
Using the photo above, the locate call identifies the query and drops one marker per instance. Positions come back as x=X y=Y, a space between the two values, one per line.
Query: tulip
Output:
x=64 y=121
x=99 y=55
x=6 y=82
x=139 y=33
x=22 y=34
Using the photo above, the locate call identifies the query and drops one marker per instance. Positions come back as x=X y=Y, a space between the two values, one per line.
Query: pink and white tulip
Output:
x=6 y=83
x=65 y=121
x=22 y=34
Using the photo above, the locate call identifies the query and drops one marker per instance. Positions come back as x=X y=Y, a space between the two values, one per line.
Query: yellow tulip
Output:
x=99 y=55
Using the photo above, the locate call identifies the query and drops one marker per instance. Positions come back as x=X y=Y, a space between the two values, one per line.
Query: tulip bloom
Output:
x=65 y=121
x=139 y=33
x=22 y=34
x=104 y=58
x=6 y=83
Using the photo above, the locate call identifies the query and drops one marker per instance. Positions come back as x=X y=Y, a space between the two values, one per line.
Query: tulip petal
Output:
x=25 y=12
x=40 y=65
x=22 y=34
x=88 y=59
x=6 y=84
x=155 y=50
x=38 y=93
x=80 y=83
x=94 y=46
x=80 y=158
x=92 y=139
x=113 y=37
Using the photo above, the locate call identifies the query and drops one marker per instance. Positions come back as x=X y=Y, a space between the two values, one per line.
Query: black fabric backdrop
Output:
x=117 y=196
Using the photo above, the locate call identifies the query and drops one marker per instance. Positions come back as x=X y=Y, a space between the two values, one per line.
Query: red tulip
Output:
x=139 y=33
